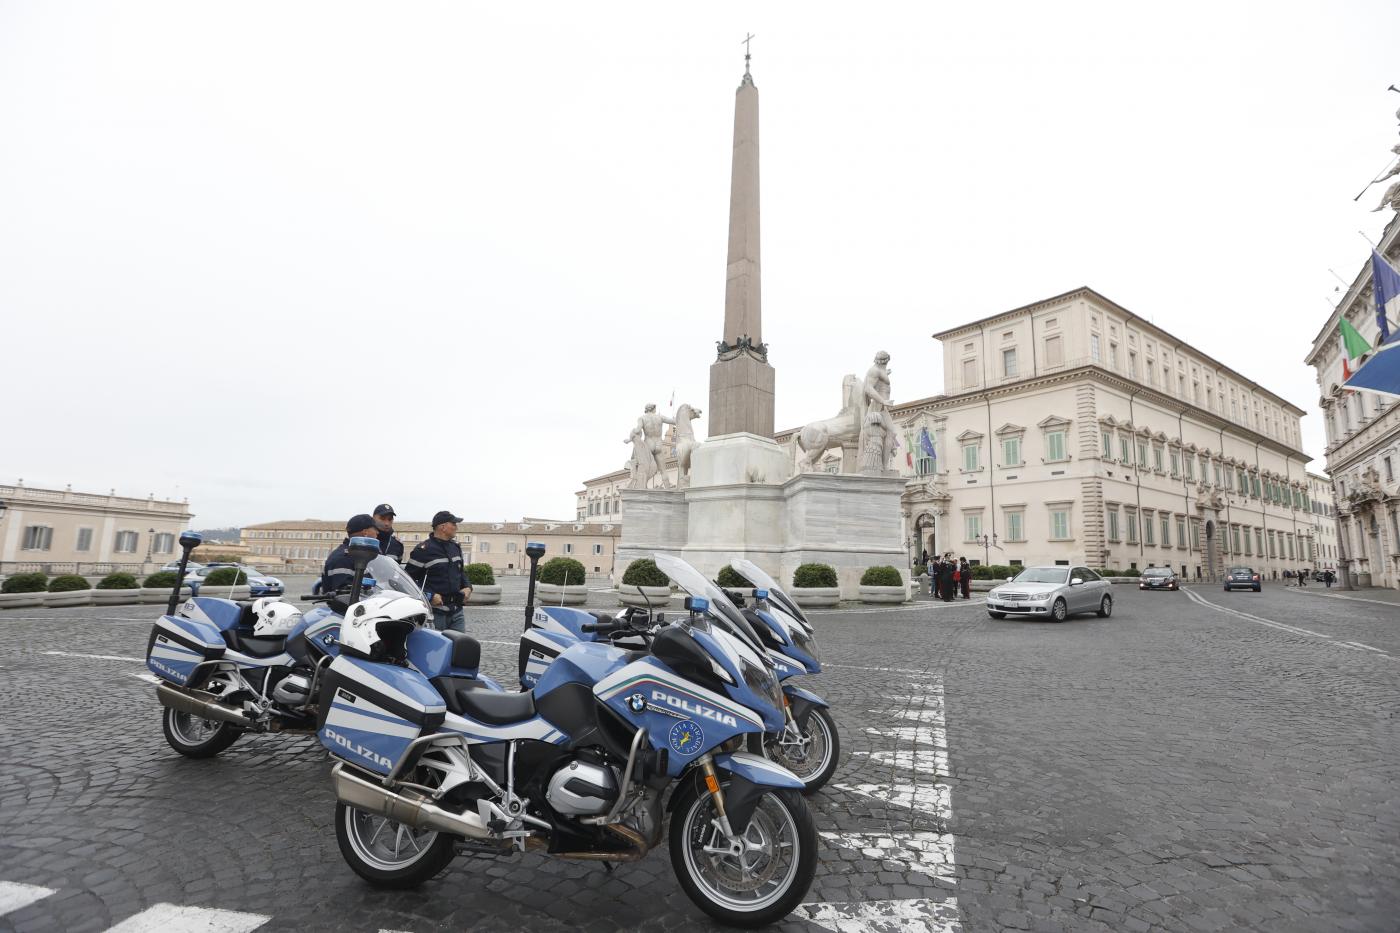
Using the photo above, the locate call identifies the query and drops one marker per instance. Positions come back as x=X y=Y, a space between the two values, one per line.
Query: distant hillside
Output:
x=220 y=535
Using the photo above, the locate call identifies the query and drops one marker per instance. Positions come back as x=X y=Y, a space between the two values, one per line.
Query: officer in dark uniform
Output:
x=389 y=544
x=436 y=565
x=339 y=571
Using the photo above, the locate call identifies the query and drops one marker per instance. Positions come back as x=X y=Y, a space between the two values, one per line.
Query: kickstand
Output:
x=609 y=867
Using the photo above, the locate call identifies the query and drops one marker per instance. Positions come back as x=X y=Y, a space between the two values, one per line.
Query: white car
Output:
x=1056 y=592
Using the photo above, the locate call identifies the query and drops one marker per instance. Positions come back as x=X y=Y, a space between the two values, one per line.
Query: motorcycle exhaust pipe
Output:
x=420 y=813
x=196 y=704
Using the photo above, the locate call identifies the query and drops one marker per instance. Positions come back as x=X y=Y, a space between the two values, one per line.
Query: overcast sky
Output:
x=292 y=259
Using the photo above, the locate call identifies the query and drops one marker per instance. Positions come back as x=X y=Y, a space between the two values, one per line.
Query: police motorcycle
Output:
x=809 y=745
x=229 y=667
x=427 y=767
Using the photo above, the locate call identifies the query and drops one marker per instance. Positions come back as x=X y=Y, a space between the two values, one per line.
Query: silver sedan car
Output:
x=1057 y=592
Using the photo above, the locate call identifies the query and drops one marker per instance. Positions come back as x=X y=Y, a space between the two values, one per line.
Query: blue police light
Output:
x=191 y=539
x=697 y=604
x=760 y=594
x=365 y=542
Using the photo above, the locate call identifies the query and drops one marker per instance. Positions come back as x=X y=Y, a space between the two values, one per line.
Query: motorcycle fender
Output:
x=750 y=777
x=802 y=702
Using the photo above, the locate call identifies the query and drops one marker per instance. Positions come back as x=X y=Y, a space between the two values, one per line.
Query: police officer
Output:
x=389 y=544
x=339 y=571
x=436 y=565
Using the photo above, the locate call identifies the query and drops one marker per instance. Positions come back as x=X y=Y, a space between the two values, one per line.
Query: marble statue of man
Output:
x=652 y=425
x=642 y=466
x=877 y=427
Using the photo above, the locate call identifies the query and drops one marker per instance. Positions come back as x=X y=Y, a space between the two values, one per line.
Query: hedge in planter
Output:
x=480 y=574
x=562 y=571
x=644 y=572
x=881 y=576
x=162 y=579
x=731 y=579
x=812 y=576
x=67 y=583
x=226 y=576
x=122 y=581
x=25 y=583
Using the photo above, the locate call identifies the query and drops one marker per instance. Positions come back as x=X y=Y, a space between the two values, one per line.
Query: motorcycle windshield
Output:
x=755 y=575
x=695 y=583
x=389 y=577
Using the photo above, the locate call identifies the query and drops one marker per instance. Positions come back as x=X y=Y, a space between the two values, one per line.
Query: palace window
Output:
x=1157 y=457
x=1148 y=527
x=971 y=458
x=1132 y=365
x=1166 y=529
x=972 y=526
x=510 y=547
x=1130 y=520
x=1008 y=362
x=1059 y=524
x=924 y=466
x=37 y=538
x=1125 y=449
x=164 y=543
x=1015 y=526
x=568 y=547
x=969 y=373
x=1190 y=467
x=1113 y=355
x=483 y=547
x=84 y=540
x=597 y=550
x=1235 y=538
x=1055 y=445
x=126 y=542
x=1176 y=462
x=1054 y=351
x=1113 y=532
x=1107 y=444
x=1142 y=454
x=1011 y=451
x=1151 y=373
x=1094 y=352
x=1247 y=551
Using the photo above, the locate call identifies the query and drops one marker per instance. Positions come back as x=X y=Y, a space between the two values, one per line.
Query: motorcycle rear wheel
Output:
x=389 y=854
x=781 y=864
x=194 y=737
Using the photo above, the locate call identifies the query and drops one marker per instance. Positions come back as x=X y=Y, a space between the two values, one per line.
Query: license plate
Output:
x=1015 y=605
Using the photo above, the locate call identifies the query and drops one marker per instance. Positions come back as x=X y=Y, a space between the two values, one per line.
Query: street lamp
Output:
x=988 y=542
x=150 y=543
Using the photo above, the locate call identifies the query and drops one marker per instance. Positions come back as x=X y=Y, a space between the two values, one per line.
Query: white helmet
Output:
x=375 y=628
x=275 y=619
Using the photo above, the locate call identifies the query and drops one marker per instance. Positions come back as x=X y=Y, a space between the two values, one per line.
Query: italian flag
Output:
x=1353 y=343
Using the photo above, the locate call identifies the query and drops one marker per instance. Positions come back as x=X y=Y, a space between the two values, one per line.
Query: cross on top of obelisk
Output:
x=748 y=78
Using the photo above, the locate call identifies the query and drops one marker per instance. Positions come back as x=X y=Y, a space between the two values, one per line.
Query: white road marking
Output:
x=929 y=762
x=931 y=799
x=929 y=853
x=916 y=915
x=1355 y=599
x=96 y=657
x=910 y=607
x=14 y=895
x=879 y=670
x=1292 y=629
x=173 y=918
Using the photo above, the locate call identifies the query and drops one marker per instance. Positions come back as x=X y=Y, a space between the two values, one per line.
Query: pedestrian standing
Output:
x=965 y=577
x=1303 y=577
x=389 y=544
x=950 y=568
x=436 y=565
x=1327 y=577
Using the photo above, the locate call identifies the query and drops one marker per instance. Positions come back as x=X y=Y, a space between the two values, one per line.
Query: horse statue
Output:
x=843 y=431
x=685 y=442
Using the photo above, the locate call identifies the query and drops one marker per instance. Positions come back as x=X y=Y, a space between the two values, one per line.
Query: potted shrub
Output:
x=561 y=583
x=815 y=585
x=882 y=584
x=68 y=589
x=225 y=583
x=155 y=589
x=643 y=584
x=116 y=588
x=485 y=590
x=730 y=579
x=22 y=590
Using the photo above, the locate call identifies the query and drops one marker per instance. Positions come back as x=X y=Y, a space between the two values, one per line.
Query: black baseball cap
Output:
x=445 y=516
x=385 y=508
x=359 y=522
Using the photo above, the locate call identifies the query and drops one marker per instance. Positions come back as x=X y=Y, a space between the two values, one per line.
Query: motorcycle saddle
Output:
x=254 y=647
x=496 y=709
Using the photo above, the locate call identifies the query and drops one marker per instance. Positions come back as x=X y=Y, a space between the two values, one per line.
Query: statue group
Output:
x=863 y=429
x=648 y=460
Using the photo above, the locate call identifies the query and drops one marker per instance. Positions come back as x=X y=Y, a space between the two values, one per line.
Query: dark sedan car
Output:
x=1157 y=578
x=1243 y=578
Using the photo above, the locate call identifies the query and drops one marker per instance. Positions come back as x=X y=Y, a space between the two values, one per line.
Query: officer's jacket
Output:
x=339 y=570
x=390 y=546
x=437 y=567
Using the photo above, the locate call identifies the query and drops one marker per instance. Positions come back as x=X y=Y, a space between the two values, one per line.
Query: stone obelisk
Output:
x=741 y=381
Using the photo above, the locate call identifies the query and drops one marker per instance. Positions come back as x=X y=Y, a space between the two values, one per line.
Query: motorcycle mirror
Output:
x=189 y=540
x=362 y=551
x=533 y=550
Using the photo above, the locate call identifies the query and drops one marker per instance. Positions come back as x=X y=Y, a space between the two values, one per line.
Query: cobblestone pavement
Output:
x=1200 y=761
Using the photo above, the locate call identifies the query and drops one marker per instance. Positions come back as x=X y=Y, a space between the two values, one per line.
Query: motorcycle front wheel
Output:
x=764 y=881
x=813 y=755
x=194 y=737
x=389 y=854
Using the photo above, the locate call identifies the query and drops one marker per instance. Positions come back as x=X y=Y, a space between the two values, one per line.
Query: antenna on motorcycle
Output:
x=189 y=540
x=533 y=550
x=362 y=551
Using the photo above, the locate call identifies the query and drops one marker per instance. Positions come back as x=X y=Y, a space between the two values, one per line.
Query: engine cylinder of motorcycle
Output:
x=292 y=690
x=582 y=789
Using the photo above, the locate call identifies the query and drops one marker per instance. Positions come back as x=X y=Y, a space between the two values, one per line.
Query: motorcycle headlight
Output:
x=806 y=642
x=762 y=681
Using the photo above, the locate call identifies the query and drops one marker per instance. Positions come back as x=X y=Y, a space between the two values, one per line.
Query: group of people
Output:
x=1301 y=577
x=436 y=564
x=948 y=577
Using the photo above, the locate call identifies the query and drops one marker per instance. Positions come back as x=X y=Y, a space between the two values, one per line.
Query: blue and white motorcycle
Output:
x=808 y=745
x=578 y=767
x=228 y=668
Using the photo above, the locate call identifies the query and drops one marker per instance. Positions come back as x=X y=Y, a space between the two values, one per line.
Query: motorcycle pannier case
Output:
x=178 y=647
x=369 y=713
